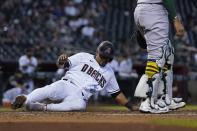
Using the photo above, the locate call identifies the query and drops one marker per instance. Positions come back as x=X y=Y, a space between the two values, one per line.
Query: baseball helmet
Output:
x=106 y=50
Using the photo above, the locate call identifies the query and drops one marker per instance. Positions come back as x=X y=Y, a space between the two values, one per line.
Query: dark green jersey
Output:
x=170 y=6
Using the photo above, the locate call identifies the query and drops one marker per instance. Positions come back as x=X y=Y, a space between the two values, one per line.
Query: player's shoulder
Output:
x=84 y=54
x=109 y=69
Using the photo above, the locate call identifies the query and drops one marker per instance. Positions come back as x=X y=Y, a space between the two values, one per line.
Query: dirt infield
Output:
x=93 y=120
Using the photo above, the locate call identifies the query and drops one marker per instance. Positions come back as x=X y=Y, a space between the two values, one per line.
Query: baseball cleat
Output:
x=176 y=104
x=145 y=108
x=18 y=102
x=159 y=110
x=176 y=99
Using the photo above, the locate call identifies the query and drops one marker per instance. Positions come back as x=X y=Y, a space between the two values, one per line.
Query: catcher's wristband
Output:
x=176 y=18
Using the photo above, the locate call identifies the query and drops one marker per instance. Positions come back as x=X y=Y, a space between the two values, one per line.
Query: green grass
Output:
x=2 y=109
x=191 y=123
x=190 y=107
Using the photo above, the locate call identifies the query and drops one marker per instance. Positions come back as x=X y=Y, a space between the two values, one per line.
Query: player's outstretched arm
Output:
x=62 y=59
x=121 y=99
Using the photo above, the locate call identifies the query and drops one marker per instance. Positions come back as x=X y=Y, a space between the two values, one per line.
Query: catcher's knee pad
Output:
x=151 y=69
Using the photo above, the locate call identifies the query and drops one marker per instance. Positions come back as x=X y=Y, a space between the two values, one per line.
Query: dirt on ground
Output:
x=93 y=120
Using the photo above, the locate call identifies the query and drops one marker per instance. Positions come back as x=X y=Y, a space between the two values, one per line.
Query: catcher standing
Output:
x=152 y=20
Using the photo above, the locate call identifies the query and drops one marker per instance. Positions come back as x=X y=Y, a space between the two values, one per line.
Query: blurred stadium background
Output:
x=52 y=27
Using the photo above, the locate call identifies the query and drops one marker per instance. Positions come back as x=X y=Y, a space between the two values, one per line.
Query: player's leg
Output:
x=152 y=20
x=167 y=74
x=173 y=103
x=153 y=72
x=55 y=91
x=73 y=102
x=69 y=96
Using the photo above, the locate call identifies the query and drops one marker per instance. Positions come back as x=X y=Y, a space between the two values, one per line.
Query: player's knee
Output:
x=151 y=69
x=79 y=106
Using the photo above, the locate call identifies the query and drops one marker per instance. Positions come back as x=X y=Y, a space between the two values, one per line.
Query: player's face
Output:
x=102 y=60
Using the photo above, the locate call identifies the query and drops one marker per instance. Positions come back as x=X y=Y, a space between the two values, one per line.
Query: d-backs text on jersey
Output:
x=95 y=74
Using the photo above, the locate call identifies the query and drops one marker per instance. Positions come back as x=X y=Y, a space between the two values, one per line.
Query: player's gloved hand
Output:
x=178 y=27
x=61 y=60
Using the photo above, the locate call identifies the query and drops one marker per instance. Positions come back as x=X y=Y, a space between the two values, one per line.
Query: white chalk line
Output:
x=118 y=114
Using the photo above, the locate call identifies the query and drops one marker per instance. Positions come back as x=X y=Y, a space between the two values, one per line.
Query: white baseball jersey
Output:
x=114 y=65
x=88 y=75
x=84 y=77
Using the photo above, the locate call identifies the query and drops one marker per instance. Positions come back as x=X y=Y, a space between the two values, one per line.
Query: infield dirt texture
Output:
x=98 y=118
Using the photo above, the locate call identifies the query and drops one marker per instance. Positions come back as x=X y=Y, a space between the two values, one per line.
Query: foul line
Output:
x=165 y=114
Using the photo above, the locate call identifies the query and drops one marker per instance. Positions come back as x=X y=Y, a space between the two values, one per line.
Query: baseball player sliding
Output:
x=151 y=18
x=87 y=74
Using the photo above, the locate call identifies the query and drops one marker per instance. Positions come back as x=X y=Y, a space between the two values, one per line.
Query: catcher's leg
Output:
x=153 y=73
x=167 y=79
x=156 y=61
x=151 y=103
x=167 y=73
